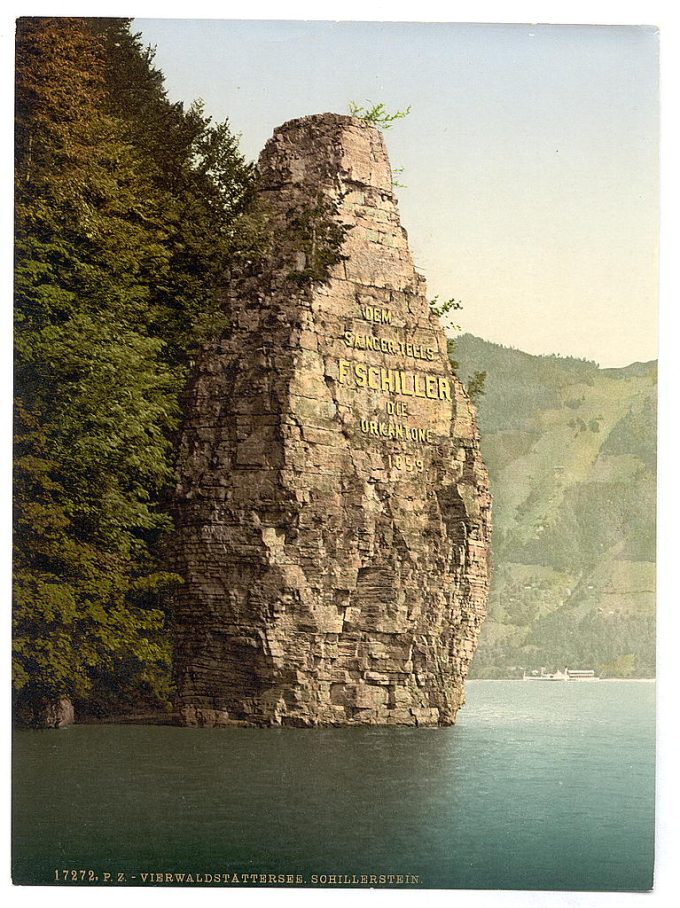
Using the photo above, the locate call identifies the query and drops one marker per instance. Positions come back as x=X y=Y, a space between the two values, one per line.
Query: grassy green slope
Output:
x=571 y=453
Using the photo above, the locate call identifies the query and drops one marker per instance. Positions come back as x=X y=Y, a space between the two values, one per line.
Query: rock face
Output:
x=46 y=714
x=333 y=510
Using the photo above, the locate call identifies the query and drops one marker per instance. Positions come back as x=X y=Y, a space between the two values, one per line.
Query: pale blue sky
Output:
x=530 y=156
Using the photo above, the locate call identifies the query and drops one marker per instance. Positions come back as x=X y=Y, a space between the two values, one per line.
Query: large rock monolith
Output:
x=333 y=509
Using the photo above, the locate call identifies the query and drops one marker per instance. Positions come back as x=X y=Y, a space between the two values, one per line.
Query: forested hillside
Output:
x=129 y=212
x=571 y=450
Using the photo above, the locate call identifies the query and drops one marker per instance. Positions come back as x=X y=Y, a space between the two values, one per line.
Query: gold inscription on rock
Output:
x=377 y=314
x=396 y=408
x=404 y=462
x=389 y=345
x=394 y=381
x=398 y=430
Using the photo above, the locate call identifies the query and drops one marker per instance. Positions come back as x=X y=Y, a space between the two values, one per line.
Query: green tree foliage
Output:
x=476 y=385
x=129 y=211
x=621 y=667
x=316 y=239
x=377 y=114
x=442 y=309
x=207 y=187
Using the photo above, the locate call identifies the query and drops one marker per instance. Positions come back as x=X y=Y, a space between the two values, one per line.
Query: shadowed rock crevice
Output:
x=332 y=507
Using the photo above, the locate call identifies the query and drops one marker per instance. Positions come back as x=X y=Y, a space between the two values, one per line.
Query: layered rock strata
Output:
x=332 y=507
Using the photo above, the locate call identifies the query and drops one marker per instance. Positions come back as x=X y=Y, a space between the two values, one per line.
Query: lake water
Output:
x=538 y=786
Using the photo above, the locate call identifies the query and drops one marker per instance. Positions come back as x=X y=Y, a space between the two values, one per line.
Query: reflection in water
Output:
x=538 y=786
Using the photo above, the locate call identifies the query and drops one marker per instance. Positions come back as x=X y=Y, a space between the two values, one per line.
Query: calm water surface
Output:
x=538 y=786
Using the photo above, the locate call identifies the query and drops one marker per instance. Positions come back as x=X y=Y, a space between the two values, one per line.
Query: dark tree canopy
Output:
x=130 y=211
